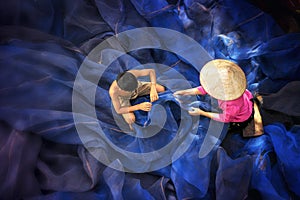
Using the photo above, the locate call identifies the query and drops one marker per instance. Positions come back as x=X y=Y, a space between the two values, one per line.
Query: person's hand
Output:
x=153 y=94
x=145 y=106
x=195 y=111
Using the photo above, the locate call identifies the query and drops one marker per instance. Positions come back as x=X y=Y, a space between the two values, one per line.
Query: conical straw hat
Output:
x=223 y=79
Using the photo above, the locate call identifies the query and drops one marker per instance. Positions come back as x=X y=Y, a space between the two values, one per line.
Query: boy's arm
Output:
x=145 y=106
x=152 y=75
x=145 y=72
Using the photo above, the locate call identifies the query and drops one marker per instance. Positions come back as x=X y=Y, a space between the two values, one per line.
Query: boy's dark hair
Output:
x=127 y=81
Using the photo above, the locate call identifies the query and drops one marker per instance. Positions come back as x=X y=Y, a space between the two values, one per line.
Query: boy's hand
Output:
x=145 y=106
x=153 y=94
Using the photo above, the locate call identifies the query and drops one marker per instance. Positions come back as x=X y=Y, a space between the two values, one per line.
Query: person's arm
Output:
x=145 y=72
x=192 y=91
x=225 y=117
x=145 y=106
x=152 y=75
x=197 y=111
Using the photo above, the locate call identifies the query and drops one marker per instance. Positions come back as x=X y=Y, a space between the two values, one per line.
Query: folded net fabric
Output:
x=43 y=44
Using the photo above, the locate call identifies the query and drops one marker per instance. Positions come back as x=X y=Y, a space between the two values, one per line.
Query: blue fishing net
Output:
x=43 y=155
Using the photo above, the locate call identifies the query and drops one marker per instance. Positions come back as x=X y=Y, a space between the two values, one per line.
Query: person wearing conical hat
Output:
x=225 y=81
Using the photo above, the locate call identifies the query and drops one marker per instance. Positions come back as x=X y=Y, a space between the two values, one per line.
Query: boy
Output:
x=127 y=87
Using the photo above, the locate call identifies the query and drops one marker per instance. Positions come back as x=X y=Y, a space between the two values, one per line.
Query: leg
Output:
x=129 y=118
x=160 y=88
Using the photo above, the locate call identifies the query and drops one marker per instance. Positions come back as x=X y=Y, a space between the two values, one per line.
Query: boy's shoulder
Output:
x=112 y=88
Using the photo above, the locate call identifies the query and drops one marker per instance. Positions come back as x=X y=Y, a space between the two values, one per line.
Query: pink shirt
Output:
x=237 y=110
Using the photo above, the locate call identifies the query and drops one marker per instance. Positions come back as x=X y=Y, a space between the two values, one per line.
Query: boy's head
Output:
x=127 y=81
